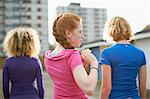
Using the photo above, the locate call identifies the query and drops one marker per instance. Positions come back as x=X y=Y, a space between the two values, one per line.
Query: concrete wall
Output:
x=144 y=44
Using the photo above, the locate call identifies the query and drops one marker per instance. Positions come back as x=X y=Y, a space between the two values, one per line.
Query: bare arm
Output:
x=142 y=82
x=105 y=82
x=87 y=83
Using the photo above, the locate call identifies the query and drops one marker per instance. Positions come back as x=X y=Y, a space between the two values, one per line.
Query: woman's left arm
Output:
x=142 y=81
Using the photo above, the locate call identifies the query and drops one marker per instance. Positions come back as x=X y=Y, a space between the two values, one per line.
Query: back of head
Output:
x=119 y=29
x=64 y=22
x=22 y=41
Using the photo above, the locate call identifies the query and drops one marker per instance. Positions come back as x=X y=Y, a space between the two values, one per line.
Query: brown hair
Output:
x=22 y=41
x=119 y=29
x=67 y=21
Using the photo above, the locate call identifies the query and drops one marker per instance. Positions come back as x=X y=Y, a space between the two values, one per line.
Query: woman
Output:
x=64 y=64
x=121 y=63
x=22 y=68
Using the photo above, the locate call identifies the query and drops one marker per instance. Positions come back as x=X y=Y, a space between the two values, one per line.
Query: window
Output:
x=26 y=1
x=39 y=9
x=84 y=31
x=96 y=22
x=79 y=13
x=97 y=18
x=96 y=10
x=26 y=24
x=40 y=41
x=97 y=31
x=39 y=25
x=71 y=9
x=96 y=14
x=84 y=22
x=39 y=17
x=29 y=17
x=2 y=31
x=96 y=27
x=38 y=2
x=84 y=40
x=84 y=27
x=85 y=35
x=1 y=17
x=84 y=9
x=15 y=8
x=97 y=35
x=29 y=9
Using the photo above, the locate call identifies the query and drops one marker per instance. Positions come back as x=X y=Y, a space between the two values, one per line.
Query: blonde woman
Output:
x=22 y=68
x=121 y=63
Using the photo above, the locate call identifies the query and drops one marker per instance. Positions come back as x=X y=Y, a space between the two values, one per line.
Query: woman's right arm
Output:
x=86 y=82
x=142 y=82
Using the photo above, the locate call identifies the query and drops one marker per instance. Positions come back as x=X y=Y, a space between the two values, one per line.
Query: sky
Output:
x=137 y=12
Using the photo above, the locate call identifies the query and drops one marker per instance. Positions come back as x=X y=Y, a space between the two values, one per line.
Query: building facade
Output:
x=28 y=13
x=93 y=20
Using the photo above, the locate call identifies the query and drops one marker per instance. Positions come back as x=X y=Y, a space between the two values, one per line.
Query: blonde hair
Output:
x=119 y=29
x=66 y=21
x=22 y=41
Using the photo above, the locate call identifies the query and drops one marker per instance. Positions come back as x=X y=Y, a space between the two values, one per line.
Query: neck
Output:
x=59 y=47
x=123 y=42
x=57 y=50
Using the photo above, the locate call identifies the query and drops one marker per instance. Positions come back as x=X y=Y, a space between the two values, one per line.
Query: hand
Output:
x=88 y=58
x=85 y=64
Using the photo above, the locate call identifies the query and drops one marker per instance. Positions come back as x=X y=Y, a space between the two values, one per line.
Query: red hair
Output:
x=67 y=21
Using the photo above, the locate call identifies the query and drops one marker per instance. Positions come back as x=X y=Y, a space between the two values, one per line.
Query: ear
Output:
x=68 y=34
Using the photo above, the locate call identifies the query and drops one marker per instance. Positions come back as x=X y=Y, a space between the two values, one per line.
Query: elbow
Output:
x=88 y=88
x=106 y=89
x=142 y=87
x=89 y=91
